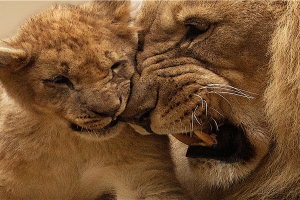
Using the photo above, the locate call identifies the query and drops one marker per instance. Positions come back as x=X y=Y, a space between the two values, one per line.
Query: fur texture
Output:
x=229 y=69
x=65 y=78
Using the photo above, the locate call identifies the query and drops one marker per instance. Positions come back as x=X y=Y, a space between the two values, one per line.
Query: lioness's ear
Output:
x=12 y=58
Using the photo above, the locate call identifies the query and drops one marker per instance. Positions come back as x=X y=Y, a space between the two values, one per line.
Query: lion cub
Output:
x=65 y=78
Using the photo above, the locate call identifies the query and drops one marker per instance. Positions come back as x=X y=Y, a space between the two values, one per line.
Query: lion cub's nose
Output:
x=106 y=112
x=105 y=108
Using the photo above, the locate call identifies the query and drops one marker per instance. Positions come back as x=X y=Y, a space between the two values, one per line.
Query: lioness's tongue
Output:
x=198 y=137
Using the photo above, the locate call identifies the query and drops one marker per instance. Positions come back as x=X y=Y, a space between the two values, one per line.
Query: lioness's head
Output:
x=201 y=74
x=73 y=63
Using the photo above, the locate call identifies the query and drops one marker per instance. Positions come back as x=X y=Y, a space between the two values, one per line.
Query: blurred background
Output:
x=14 y=13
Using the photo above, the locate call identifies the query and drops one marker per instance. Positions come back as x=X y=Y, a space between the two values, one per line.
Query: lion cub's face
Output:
x=73 y=63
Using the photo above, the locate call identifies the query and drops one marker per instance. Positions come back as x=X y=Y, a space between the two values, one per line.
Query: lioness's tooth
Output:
x=209 y=141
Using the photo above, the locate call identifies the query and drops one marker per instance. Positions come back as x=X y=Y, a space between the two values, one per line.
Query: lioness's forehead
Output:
x=226 y=9
x=213 y=11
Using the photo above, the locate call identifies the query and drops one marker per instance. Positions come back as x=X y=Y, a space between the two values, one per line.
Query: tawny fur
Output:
x=70 y=67
x=255 y=47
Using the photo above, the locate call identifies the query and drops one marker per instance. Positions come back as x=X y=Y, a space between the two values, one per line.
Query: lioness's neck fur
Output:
x=64 y=81
x=279 y=175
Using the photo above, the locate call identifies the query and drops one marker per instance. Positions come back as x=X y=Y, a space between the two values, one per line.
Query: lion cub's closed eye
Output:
x=65 y=79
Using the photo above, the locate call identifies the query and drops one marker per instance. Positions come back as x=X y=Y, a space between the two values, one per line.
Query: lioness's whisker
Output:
x=195 y=116
x=227 y=89
x=206 y=106
x=217 y=127
x=237 y=94
x=222 y=97
x=229 y=86
x=197 y=95
x=197 y=120
x=216 y=111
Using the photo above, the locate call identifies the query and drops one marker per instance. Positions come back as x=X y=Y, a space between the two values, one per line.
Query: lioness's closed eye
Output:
x=65 y=79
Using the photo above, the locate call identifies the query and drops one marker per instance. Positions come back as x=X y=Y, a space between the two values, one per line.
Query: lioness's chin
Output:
x=214 y=166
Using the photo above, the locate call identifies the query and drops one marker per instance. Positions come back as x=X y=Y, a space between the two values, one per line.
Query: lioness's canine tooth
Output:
x=209 y=141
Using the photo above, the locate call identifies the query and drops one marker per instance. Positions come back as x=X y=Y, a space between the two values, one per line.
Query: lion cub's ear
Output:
x=118 y=13
x=116 y=10
x=11 y=58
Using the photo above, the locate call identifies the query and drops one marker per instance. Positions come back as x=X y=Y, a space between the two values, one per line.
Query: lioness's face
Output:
x=202 y=71
x=73 y=65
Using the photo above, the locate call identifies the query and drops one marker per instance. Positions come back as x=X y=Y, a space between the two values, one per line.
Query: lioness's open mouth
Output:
x=227 y=143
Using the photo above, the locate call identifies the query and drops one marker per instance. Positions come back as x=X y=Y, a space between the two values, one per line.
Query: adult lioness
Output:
x=203 y=69
x=65 y=78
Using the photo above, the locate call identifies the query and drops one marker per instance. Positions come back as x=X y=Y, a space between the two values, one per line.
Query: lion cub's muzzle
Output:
x=101 y=110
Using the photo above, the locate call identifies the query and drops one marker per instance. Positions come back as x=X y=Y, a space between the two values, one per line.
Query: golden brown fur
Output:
x=203 y=65
x=65 y=78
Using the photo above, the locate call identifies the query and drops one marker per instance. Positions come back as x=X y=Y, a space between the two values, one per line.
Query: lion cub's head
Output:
x=73 y=63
